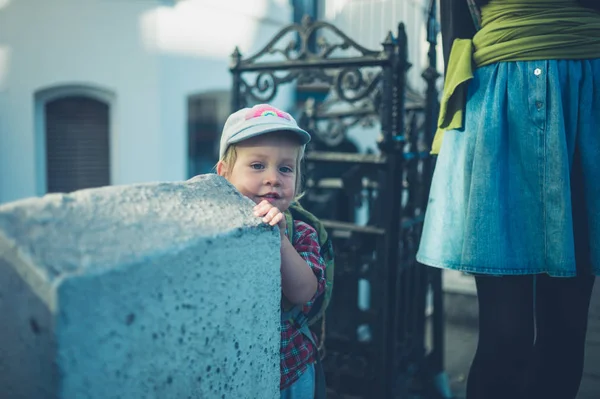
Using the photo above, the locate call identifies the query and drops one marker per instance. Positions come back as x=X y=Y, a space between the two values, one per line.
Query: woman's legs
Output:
x=506 y=336
x=516 y=360
x=562 y=306
x=561 y=317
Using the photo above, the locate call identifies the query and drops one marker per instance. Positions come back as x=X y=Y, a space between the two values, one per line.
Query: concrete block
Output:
x=167 y=290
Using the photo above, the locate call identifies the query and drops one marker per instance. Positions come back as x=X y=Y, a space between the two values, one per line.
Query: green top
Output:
x=516 y=30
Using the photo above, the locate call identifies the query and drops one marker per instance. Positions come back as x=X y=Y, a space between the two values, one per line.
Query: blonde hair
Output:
x=230 y=157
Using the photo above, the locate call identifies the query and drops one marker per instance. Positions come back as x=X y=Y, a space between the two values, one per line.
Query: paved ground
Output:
x=461 y=341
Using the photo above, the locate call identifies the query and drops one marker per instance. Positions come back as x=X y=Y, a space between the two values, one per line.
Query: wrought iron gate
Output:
x=375 y=325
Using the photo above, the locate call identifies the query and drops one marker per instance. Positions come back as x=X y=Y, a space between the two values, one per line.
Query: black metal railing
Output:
x=375 y=324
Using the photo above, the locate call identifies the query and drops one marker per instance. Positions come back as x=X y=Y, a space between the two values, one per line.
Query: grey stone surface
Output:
x=167 y=290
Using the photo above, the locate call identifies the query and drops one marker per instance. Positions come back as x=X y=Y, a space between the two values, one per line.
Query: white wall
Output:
x=150 y=54
x=369 y=21
x=195 y=40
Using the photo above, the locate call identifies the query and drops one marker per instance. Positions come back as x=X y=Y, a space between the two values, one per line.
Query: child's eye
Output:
x=257 y=166
x=286 y=169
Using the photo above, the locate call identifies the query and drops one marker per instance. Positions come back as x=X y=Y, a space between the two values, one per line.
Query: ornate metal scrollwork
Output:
x=265 y=85
x=299 y=49
x=311 y=53
x=330 y=122
x=353 y=84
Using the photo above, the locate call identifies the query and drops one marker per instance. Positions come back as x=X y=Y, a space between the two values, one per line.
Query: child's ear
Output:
x=221 y=168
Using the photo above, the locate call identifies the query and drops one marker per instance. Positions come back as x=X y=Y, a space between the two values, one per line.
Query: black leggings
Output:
x=531 y=337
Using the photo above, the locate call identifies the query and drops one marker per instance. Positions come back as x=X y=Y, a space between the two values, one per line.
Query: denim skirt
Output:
x=517 y=191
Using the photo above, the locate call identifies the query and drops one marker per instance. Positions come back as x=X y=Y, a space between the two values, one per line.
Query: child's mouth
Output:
x=271 y=197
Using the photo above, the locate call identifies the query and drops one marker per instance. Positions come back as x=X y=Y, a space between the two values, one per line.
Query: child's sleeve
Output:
x=306 y=243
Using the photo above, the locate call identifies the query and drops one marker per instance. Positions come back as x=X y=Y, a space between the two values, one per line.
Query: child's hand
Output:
x=270 y=215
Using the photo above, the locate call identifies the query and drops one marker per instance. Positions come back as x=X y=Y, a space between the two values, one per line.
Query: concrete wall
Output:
x=147 y=291
x=145 y=57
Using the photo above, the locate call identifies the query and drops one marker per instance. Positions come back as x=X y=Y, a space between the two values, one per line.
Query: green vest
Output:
x=516 y=30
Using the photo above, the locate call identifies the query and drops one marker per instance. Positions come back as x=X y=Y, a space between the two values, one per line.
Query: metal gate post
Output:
x=431 y=75
x=236 y=95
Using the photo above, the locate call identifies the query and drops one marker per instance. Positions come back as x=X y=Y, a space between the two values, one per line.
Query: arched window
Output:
x=73 y=126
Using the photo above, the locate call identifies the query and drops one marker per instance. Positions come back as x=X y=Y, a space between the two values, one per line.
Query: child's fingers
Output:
x=263 y=203
x=262 y=208
x=268 y=212
x=277 y=219
x=273 y=216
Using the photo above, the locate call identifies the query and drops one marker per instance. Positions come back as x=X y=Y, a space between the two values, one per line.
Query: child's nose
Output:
x=272 y=177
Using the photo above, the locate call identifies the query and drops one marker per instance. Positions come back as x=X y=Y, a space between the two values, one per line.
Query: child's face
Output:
x=265 y=169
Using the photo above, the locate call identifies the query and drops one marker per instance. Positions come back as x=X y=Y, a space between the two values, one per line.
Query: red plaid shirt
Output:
x=297 y=351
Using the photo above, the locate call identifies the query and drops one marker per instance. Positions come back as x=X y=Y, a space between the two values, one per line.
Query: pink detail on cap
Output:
x=266 y=110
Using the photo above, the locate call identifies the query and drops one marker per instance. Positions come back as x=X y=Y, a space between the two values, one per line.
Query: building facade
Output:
x=100 y=92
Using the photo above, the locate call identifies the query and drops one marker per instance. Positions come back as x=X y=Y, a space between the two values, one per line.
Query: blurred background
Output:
x=110 y=92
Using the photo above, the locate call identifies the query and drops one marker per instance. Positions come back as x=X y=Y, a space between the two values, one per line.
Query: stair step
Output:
x=343 y=157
